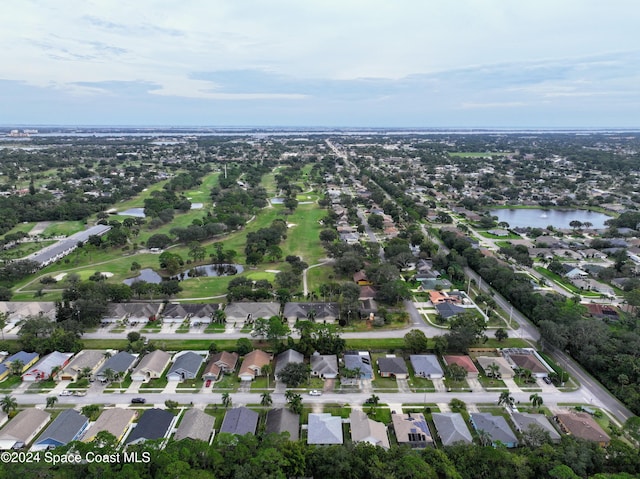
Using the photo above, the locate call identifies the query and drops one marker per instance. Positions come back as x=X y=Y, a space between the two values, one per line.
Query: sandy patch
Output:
x=291 y=225
x=59 y=276
x=106 y=274
x=276 y=271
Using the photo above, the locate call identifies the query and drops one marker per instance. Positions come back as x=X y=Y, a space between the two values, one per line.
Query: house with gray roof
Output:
x=43 y=369
x=324 y=366
x=448 y=310
x=323 y=428
x=21 y=430
x=67 y=427
x=133 y=313
x=426 y=366
x=119 y=363
x=496 y=427
x=315 y=311
x=174 y=313
x=195 y=424
x=411 y=429
x=151 y=366
x=62 y=248
x=203 y=313
x=504 y=370
x=392 y=366
x=451 y=428
x=287 y=357
x=115 y=421
x=27 y=359
x=364 y=429
x=361 y=361
x=526 y=421
x=21 y=310
x=153 y=424
x=281 y=420
x=89 y=359
x=250 y=311
x=240 y=420
x=223 y=362
x=185 y=366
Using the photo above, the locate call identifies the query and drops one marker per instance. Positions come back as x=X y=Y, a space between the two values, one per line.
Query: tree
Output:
x=267 y=369
x=465 y=330
x=171 y=405
x=51 y=401
x=294 y=401
x=197 y=252
x=536 y=400
x=226 y=400
x=376 y=221
x=8 y=404
x=501 y=334
x=273 y=329
x=265 y=399
x=243 y=346
x=494 y=370
x=294 y=374
x=415 y=341
x=328 y=236
x=133 y=336
x=440 y=345
x=457 y=405
x=92 y=411
x=455 y=372
x=506 y=399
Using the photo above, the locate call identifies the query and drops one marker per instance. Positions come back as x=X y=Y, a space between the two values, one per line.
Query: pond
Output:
x=277 y=201
x=207 y=270
x=211 y=270
x=541 y=218
x=138 y=212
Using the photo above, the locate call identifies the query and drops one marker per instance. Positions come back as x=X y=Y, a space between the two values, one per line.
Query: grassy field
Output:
x=303 y=238
x=24 y=227
x=63 y=228
x=23 y=249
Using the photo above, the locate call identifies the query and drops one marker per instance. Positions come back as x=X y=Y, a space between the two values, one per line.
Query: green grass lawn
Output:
x=63 y=228
x=24 y=227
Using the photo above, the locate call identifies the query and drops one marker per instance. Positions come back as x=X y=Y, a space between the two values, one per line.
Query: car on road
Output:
x=547 y=380
x=66 y=392
x=208 y=383
x=315 y=392
x=138 y=401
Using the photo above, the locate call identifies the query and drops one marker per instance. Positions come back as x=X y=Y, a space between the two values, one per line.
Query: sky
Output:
x=373 y=63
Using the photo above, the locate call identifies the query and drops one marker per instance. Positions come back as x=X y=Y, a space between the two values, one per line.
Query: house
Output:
x=21 y=430
x=86 y=361
x=185 y=366
x=67 y=427
x=411 y=429
x=464 y=362
x=366 y=292
x=451 y=428
x=133 y=313
x=281 y=420
x=426 y=366
x=583 y=426
x=62 y=248
x=364 y=429
x=202 y=313
x=361 y=361
x=496 y=428
x=525 y=421
x=323 y=428
x=240 y=420
x=26 y=359
x=248 y=312
x=572 y=272
x=318 y=312
x=119 y=363
x=448 y=310
x=287 y=357
x=175 y=313
x=360 y=278
x=115 y=421
x=503 y=371
x=602 y=311
x=151 y=366
x=220 y=363
x=44 y=368
x=324 y=366
x=528 y=360
x=196 y=424
x=153 y=424
x=253 y=364
x=19 y=311
x=392 y=365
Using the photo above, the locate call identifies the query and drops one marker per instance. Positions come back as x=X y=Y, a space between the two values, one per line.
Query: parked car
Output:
x=66 y=392
x=138 y=401
x=315 y=392
x=547 y=380
x=208 y=383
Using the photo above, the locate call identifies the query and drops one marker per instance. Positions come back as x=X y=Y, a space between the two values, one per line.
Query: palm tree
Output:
x=536 y=400
x=51 y=401
x=84 y=373
x=484 y=437
x=8 y=404
x=494 y=370
x=16 y=367
x=506 y=399
x=266 y=400
x=107 y=355
x=109 y=375
x=373 y=400
x=267 y=370
x=226 y=400
x=294 y=401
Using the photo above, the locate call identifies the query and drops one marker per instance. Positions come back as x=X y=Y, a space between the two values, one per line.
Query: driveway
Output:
x=475 y=385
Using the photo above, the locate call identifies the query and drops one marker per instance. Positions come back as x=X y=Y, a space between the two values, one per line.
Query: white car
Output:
x=315 y=392
x=66 y=392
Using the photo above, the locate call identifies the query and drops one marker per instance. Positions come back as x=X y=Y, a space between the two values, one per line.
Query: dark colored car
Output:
x=138 y=401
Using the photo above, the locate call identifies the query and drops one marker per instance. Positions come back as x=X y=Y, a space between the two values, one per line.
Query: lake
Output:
x=137 y=212
x=541 y=218
x=207 y=270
